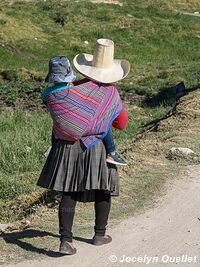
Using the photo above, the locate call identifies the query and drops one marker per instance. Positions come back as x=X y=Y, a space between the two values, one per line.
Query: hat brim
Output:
x=118 y=71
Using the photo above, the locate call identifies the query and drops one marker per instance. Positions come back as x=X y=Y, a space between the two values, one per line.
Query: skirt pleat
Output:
x=72 y=168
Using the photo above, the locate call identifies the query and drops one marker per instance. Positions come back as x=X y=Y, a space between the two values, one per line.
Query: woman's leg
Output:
x=66 y=216
x=102 y=209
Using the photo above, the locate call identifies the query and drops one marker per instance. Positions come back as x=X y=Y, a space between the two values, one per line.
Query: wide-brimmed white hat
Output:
x=102 y=67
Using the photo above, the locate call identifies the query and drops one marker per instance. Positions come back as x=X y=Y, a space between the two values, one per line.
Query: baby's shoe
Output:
x=115 y=158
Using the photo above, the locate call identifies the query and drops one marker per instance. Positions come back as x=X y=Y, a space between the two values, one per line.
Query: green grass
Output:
x=25 y=136
x=161 y=44
x=138 y=118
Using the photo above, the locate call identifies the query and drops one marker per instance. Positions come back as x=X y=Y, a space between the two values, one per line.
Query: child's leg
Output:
x=112 y=156
x=109 y=143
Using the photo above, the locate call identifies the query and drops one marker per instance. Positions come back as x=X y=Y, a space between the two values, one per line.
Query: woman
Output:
x=78 y=167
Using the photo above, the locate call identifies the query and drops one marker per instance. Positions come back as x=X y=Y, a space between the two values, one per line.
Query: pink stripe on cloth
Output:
x=68 y=106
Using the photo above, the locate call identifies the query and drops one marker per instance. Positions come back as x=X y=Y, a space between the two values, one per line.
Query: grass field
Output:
x=161 y=41
x=161 y=44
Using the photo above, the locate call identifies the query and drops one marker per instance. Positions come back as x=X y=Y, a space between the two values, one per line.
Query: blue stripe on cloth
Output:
x=53 y=89
x=104 y=134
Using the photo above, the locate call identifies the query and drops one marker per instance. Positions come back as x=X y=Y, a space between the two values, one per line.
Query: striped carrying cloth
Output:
x=82 y=112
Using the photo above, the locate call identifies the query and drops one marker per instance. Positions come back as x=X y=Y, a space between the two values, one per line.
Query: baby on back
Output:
x=75 y=112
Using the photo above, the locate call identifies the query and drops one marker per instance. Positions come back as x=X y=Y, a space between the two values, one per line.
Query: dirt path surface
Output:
x=170 y=229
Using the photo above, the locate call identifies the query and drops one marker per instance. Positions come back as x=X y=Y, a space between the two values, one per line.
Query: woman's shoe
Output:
x=101 y=240
x=65 y=248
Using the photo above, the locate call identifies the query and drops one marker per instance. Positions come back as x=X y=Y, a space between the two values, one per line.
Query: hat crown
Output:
x=101 y=66
x=59 y=64
x=60 y=70
x=104 y=54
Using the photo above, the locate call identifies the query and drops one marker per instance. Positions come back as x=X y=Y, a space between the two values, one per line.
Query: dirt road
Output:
x=166 y=235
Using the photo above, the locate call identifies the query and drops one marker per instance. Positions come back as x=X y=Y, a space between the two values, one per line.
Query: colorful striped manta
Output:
x=82 y=112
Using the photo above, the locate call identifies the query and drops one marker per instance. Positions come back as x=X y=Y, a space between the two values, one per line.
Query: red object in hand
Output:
x=120 y=121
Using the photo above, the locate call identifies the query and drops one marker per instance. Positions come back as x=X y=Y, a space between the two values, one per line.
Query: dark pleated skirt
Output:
x=72 y=168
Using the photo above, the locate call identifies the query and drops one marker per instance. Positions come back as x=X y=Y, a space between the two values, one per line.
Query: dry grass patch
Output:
x=115 y=2
x=148 y=164
x=20 y=28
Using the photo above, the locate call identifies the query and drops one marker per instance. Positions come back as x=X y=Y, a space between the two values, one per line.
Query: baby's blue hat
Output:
x=60 y=70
